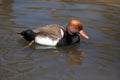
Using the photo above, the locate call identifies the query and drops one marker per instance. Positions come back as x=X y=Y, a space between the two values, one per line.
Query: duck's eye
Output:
x=74 y=30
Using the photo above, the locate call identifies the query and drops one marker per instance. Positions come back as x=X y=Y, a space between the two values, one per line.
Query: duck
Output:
x=55 y=34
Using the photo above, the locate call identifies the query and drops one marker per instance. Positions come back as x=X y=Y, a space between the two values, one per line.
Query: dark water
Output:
x=95 y=59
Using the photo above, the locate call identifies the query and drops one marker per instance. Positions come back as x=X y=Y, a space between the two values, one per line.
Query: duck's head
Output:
x=75 y=26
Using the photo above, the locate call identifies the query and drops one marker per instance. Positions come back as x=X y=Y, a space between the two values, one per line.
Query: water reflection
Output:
x=75 y=58
x=20 y=65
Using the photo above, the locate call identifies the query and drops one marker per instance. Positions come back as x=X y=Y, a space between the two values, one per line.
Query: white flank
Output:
x=46 y=41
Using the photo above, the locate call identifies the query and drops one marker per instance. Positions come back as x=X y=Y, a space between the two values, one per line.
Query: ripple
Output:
x=98 y=56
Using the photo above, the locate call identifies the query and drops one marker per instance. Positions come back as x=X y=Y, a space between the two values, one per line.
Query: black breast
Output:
x=69 y=39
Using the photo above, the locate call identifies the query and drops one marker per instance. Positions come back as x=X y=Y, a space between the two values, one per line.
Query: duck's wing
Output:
x=52 y=31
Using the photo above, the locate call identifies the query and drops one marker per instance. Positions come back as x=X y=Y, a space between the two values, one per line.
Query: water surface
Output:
x=94 y=59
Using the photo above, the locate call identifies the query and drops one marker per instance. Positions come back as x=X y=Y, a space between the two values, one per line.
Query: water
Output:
x=94 y=59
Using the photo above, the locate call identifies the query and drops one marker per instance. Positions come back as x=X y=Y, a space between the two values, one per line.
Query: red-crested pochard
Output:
x=55 y=35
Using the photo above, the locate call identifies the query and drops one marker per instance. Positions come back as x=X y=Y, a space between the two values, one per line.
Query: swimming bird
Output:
x=55 y=35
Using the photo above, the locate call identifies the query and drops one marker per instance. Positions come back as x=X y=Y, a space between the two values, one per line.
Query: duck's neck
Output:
x=69 y=32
